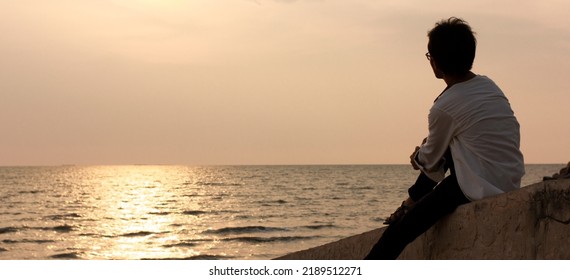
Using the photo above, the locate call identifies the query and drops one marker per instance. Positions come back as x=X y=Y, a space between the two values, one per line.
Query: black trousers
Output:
x=433 y=201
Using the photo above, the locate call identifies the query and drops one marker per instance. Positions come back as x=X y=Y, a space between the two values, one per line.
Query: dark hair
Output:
x=452 y=46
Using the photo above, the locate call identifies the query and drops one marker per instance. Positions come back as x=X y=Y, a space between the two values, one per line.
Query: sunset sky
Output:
x=261 y=81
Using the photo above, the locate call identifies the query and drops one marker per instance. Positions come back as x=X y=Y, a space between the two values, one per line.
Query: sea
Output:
x=195 y=212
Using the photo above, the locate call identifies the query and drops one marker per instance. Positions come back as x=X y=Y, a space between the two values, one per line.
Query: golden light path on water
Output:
x=169 y=212
x=135 y=205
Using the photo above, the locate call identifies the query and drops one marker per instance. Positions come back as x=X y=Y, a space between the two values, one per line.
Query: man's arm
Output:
x=429 y=156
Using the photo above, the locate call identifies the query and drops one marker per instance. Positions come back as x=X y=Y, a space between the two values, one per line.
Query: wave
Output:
x=180 y=244
x=257 y=239
x=198 y=257
x=128 y=234
x=63 y=216
x=74 y=256
x=319 y=226
x=378 y=219
x=37 y=241
x=63 y=228
x=194 y=195
x=242 y=217
x=217 y=184
x=279 y=201
x=8 y=230
x=93 y=234
x=139 y=233
x=243 y=230
x=194 y=212
x=201 y=212
x=31 y=191
x=159 y=213
x=206 y=257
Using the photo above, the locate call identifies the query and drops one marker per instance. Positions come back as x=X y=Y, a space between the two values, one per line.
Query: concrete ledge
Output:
x=531 y=223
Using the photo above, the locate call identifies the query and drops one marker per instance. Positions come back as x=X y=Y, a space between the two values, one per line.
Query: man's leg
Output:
x=421 y=187
x=424 y=184
x=443 y=200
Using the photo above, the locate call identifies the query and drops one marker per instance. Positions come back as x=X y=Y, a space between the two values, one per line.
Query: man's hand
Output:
x=413 y=157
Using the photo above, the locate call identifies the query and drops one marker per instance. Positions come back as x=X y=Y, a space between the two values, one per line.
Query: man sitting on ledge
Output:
x=473 y=133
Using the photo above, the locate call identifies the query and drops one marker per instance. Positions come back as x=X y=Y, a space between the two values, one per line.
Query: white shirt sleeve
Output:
x=429 y=157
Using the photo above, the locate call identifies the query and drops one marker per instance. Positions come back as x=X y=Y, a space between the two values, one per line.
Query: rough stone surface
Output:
x=531 y=223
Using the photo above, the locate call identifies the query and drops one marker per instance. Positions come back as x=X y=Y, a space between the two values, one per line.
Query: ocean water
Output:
x=186 y=212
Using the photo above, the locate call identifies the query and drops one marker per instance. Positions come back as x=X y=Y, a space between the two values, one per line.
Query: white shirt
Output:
x=474 y=119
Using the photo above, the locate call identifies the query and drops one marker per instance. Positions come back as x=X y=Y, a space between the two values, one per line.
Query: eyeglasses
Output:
x=428 y=56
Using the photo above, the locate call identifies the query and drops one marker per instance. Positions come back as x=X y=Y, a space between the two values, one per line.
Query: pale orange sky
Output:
x=261 y=82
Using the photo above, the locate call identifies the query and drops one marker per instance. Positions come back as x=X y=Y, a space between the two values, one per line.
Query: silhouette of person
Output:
x=473 y=134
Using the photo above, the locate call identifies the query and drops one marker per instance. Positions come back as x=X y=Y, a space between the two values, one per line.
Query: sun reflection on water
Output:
x=135 y=209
